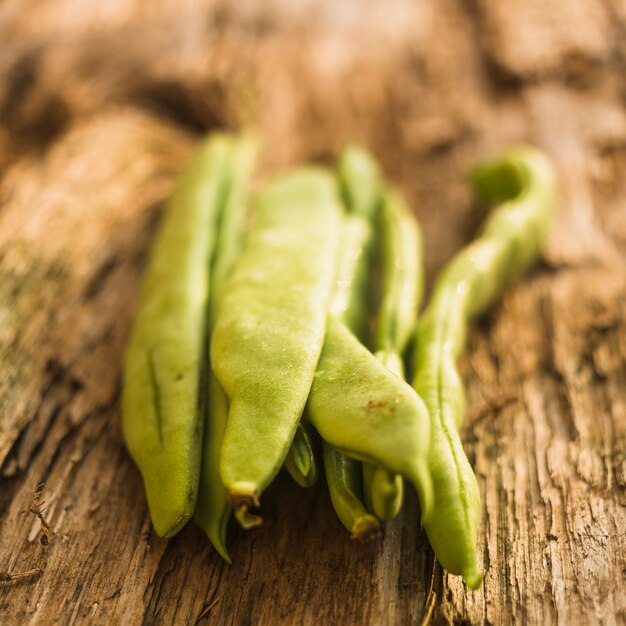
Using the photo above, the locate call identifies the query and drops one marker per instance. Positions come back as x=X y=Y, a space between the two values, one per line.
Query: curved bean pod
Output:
x=349 y=300
x=213 y=509
x=161 y=416
x=523 y=180
x=360 y=184
x=343 y=476
x=367 y=412
x=270 y=326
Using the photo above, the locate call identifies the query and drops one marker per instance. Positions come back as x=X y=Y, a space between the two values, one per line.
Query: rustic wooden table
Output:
x=100 y=104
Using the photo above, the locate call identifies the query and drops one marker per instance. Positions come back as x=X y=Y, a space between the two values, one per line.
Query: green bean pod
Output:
x=524 y=183
x=362 y=191
x=349 y=306
x=367 y=412
x=270 y=326
x=343 y=475
x=301 y=461
x=383 y=491
x=360 y=182
x=402 y=278
x=402 y=287
x=161 y=414
x=213 y=509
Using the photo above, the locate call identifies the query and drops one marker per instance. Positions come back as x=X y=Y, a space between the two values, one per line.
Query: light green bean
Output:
x=161 y=413
x=367 y=412
x=402 y=286
x=345 y=486
x=523 y=181
x=359 y=179
x=270 y=327
x=344 y=474
x=402 y=277
x=213 y=509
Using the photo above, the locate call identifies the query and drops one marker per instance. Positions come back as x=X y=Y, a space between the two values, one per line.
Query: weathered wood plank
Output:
x=98 y=107
x=534 y=38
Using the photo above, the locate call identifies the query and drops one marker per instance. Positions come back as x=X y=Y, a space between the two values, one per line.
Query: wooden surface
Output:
x=100 y=104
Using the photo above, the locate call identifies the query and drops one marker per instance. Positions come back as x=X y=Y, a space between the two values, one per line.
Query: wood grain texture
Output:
x=100 y=104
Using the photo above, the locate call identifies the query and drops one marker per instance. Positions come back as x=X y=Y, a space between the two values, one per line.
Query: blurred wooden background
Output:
x=100 y=104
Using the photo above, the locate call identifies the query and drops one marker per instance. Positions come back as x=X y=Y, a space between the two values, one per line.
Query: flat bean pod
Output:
x=367 y=412
x=270 y=326
x=213 y=509
x=523 y=180
x=161 y=413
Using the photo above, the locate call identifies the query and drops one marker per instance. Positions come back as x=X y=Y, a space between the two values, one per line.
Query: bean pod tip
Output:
x=366 y=529
x=472 y=579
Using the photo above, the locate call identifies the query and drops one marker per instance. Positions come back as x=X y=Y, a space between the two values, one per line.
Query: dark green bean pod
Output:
x=523 y=182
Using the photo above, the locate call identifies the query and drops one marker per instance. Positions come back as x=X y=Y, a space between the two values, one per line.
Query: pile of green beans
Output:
x=272 y=331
